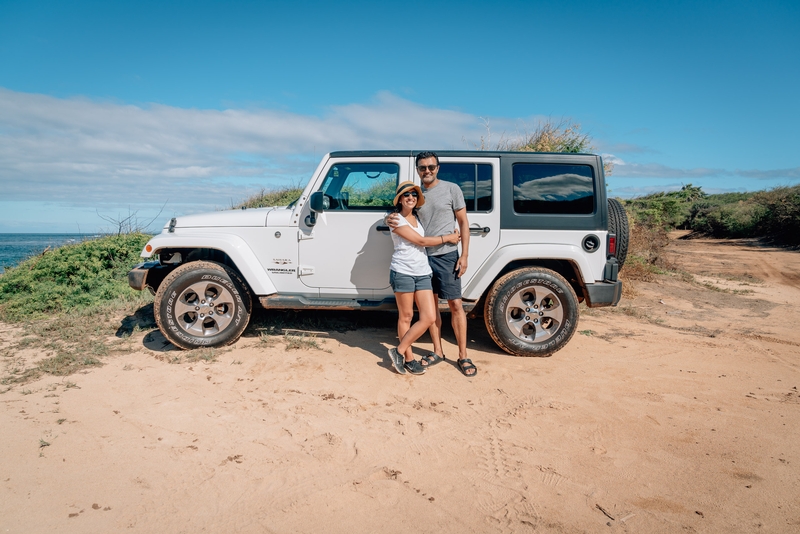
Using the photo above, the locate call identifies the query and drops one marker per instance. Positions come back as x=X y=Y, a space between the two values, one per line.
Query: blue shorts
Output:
x=405 y=283
x=445 y=283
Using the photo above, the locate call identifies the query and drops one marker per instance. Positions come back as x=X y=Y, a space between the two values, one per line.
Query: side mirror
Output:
x=318 y=203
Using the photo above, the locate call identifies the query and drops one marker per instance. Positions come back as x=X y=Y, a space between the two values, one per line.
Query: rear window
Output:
x=546 y=188
x=475 y=181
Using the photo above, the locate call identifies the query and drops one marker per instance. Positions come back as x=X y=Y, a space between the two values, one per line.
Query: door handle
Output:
x=382 y=228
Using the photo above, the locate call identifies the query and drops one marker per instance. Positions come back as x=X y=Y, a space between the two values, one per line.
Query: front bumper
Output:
x=148 y=275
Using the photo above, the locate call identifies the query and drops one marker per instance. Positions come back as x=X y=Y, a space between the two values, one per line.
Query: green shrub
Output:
x=277 y=197
x=71 y=277
x=738 y=219
x=780 y=217
x=665 y=210
x=774 y=214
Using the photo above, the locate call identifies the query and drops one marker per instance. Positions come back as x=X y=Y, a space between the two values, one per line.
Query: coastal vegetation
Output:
x=66 y=303
x=71 y=278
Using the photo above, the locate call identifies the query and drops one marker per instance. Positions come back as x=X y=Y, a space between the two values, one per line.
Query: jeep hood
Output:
x=223 y=219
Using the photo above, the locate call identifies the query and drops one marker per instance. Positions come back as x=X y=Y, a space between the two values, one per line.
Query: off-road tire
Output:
x=618 y=225
x=531 y=312
x=202 y=304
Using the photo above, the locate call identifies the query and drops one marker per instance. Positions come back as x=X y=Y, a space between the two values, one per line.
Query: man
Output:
x=444 y=205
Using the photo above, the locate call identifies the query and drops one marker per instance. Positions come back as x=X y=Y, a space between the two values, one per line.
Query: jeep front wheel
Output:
x=202 y=304
x=531 y=312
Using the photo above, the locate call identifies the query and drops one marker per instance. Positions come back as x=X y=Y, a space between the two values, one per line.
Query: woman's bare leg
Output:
x=405 y=312
x=427 y=315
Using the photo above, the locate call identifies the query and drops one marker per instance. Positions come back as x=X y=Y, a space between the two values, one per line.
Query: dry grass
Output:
x=204 y=354
x=270 y=337
x=647 y=257
x=68 y=343
x=302 y=342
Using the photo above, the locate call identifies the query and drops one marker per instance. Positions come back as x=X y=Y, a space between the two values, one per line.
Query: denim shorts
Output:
x=405 y=283
x=445 y=283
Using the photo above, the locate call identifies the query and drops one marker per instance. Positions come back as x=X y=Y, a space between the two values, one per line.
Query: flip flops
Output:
x=467 y=365
x=431 y=359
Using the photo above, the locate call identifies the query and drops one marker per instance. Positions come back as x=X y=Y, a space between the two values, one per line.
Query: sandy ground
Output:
x=676 y=412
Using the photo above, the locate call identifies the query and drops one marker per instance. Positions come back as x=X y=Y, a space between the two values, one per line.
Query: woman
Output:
x=410 y=276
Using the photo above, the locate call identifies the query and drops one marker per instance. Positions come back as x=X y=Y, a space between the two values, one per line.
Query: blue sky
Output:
x=116 y=108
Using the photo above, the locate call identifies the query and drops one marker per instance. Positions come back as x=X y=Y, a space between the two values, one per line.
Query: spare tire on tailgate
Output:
x=618 y=225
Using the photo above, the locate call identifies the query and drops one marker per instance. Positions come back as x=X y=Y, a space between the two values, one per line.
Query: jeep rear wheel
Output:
x=202 y=304
x=531 y=312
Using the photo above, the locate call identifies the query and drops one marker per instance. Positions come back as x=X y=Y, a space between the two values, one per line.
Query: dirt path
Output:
x=677 y=411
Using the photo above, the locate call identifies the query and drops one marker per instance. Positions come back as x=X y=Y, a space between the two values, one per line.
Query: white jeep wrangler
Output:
x=543 y=238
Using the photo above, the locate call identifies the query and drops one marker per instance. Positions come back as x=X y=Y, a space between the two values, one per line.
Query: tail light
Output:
x=612 y=244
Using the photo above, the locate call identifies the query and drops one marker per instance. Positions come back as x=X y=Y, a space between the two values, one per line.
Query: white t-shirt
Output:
x=409 y=258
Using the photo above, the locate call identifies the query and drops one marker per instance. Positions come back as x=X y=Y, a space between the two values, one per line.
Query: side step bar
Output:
x=296 y=302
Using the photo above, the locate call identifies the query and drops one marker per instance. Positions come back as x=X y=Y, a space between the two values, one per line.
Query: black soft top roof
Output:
x=443 y=153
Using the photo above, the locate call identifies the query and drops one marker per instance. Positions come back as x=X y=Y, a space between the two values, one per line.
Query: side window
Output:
x=361 y=186
x=552 y=188
x=475 y=181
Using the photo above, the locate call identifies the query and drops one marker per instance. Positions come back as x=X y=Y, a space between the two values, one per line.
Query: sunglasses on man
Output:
x=421 y=168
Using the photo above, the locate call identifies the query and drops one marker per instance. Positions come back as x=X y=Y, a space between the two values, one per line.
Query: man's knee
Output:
x=456 y=306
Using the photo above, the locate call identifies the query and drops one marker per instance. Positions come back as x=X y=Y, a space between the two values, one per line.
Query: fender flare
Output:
x=234 y=246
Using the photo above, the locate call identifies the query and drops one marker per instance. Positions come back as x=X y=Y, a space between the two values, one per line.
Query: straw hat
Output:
x=405 y=187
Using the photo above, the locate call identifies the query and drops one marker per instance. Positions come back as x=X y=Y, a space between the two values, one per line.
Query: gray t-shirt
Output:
x=438 y=213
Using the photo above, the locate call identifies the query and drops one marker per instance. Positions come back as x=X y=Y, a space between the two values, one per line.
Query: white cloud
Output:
x=611 y=158
x=791 y=174
x=87 y=152
x=624 y=169
x=74 y=157
x=657 y=170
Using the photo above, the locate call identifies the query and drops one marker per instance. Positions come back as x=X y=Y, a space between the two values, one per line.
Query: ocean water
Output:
x=15 y=248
